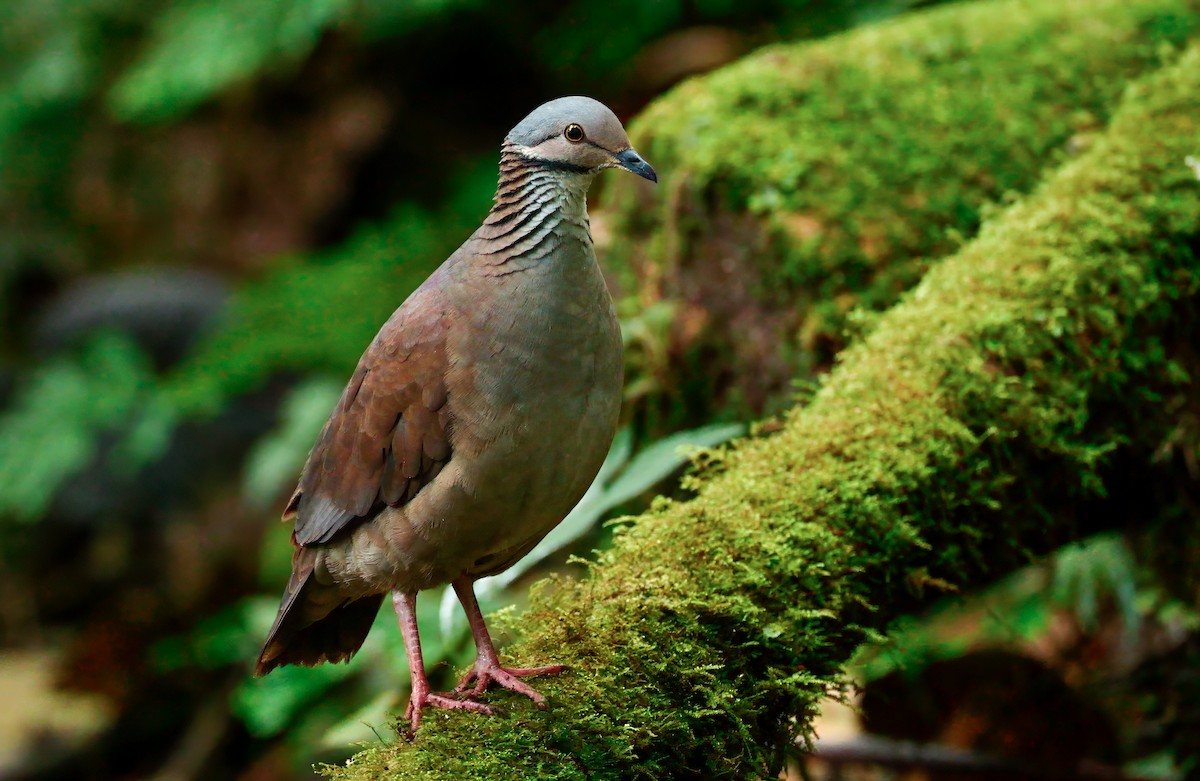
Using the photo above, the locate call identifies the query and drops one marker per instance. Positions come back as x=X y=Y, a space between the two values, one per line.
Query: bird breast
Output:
x=535 y=385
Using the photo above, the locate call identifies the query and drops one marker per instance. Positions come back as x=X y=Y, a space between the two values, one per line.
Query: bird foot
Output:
x=485 y=674
x=420 y=700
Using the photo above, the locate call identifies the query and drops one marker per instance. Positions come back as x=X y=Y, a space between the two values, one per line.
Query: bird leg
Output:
x=406 y=611
x=487 y=669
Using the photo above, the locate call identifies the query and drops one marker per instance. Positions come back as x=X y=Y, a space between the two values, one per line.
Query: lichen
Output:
x=949 y=442
x=814 y=179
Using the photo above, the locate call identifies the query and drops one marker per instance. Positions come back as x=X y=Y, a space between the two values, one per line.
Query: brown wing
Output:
x=388 y=435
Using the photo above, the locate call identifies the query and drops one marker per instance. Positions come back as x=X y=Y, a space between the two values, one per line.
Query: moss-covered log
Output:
x=813 y=178
x=951 y=441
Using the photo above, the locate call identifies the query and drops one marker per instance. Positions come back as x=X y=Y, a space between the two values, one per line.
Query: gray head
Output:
x=578 y=135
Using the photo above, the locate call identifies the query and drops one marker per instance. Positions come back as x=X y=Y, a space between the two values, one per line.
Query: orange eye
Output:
x=573 y=133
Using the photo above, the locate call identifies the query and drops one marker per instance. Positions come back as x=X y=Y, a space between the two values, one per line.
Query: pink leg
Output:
x=406 y=611
x=487 y=669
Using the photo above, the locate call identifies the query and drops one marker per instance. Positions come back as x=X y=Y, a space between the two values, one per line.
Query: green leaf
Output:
x=658 y=460
x=1086 y=571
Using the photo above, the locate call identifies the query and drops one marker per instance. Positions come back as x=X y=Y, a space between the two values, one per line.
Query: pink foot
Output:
x=485 y=674
x=422 y=699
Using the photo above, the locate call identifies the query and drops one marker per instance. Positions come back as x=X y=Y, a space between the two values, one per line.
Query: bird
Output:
x=474 y=422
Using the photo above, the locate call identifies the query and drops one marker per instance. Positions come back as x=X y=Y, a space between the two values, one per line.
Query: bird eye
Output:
x=573 y=133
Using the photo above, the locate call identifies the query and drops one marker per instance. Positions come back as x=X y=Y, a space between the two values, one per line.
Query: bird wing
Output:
x=388 y=435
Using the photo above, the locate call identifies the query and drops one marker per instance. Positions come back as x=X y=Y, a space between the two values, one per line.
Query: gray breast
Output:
x=545 y=384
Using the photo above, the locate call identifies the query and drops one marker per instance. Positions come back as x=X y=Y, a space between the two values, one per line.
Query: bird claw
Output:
x=508 y=678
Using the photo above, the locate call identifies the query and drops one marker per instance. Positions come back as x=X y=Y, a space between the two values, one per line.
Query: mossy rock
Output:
x=812 y=180
x=972 y=426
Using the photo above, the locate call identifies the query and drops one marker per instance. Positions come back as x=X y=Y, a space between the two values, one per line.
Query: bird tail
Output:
x=316 y=623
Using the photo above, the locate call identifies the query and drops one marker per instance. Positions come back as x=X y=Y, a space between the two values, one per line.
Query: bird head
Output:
x=577 y=135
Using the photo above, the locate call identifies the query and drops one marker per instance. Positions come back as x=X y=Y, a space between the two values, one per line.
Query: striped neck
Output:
x=537 y=203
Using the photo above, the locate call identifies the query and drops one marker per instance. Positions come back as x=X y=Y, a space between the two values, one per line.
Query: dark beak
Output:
x=632 y=161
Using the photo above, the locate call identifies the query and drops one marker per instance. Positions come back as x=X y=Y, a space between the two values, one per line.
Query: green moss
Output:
x=813 y=178
x=947 y=443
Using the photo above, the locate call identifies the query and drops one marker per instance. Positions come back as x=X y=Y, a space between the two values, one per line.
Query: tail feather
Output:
x=315 y=623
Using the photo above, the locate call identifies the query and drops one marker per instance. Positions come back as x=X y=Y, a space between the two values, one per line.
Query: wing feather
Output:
x=388 y=435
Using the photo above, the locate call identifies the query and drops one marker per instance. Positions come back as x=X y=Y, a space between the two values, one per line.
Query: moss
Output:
x=810 y=179
x=955 y=438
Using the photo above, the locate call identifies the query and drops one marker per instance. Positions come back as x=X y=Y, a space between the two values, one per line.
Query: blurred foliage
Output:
x=64 y=411
x=278 y=457
x=321 y=314
x=1088 y=580
x=198 y=48
x=1092 y=614
x=1090 y=570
